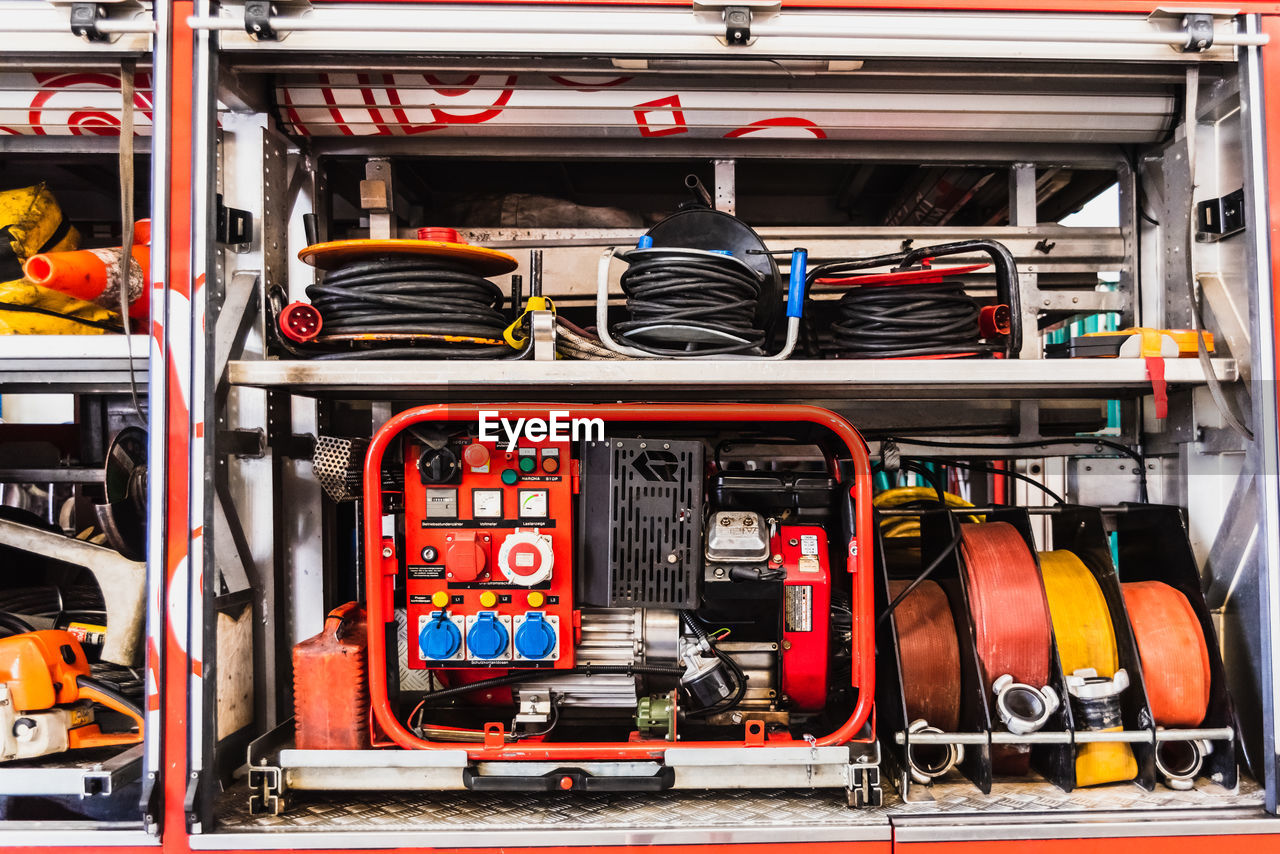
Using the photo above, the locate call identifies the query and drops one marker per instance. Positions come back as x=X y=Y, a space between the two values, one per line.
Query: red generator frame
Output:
x=380 y=572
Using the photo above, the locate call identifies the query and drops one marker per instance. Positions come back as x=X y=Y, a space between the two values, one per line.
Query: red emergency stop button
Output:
x=476 y=456
x=566 y=783
x=550 y=465
x=464 y=559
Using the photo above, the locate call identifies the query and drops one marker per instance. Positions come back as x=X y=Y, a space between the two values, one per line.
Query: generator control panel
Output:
x=489 y=555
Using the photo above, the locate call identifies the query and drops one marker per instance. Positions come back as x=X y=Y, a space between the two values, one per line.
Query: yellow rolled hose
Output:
x=909 y=526
x=1085 y=637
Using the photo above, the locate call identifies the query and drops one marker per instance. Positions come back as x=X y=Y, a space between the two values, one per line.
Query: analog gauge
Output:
x=486 y=504
x=533 y=504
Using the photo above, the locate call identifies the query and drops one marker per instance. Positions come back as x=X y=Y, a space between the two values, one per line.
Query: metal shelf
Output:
x=72 y=364
x=99 y=773
x=742 y=381
x=1015 y=810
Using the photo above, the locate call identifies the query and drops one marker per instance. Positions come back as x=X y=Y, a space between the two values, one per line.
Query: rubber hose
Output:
x=1010 y=618
x=1086 y=639
x=1175 y=657
x=930 y=655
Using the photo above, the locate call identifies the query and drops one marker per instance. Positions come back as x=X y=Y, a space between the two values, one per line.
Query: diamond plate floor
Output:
x=771 y=810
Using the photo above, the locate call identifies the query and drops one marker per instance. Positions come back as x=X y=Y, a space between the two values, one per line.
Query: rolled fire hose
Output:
x=1012 y=627
x=930 y=656
x=1087 y=648
x=1175 y=667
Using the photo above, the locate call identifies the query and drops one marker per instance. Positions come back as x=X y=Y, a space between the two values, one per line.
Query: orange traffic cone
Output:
x=93 y=275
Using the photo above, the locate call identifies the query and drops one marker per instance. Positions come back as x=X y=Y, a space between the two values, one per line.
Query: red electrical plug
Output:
x=994 y=320
x=300 y=322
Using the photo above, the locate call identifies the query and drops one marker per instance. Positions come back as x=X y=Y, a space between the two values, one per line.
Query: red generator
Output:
x=621 y=598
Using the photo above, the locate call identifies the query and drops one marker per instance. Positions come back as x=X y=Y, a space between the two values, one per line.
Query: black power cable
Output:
x=581 y=670
x=908 y=320
x=421 y=305
x=703 y=301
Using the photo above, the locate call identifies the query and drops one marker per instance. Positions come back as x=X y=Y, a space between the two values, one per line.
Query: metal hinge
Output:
x=234 y=226
x=191 y=802
x=150 y=803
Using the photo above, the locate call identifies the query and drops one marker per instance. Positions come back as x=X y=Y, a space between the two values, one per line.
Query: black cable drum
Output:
x=685 y=302
x=896 y=321
x=720 y=285
x=432 y=307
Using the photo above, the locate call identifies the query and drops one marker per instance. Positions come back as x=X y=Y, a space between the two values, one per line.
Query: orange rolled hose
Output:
x=930 y=655
x=1010 y=617
x=93 y=275
x=1086 y=639
x=1175 y=658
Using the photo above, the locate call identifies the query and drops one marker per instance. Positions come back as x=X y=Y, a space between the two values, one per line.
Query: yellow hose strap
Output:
x=513 y=334
x=1085 y=638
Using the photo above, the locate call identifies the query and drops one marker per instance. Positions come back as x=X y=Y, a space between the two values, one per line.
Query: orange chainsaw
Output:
x=47 y=698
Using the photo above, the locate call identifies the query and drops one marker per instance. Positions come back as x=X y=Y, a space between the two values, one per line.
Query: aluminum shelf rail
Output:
x=384 y=28
x=744 y=380
x=52 y=364
x=73 y=775
x=34 y=28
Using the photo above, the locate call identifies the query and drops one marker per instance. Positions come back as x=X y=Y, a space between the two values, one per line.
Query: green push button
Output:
x=528 y=464
x=509 y=476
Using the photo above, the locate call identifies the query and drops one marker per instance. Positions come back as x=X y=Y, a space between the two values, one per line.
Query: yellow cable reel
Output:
x=1086 y=639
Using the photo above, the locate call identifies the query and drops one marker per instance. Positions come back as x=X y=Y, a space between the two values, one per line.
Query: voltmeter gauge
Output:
x=533 y=504
x=486 y=504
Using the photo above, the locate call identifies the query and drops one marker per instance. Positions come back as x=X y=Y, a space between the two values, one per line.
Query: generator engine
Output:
x=599 y=584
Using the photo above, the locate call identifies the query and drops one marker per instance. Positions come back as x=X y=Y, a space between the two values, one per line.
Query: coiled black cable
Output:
x=908 y=320
x=426 y=300
x=715 y=298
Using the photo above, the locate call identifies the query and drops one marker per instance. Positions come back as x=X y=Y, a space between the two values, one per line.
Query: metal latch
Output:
x=234 y=226
x=737 y=25
x=257 y=20
x=736 y=15
x=84 y=21
x=1199 y=31
x=1196 y=24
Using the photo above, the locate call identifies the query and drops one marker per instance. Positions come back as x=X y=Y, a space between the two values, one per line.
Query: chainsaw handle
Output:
x=89 y=688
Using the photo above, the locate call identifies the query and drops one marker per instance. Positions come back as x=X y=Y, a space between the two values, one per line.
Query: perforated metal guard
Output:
x=337 y=465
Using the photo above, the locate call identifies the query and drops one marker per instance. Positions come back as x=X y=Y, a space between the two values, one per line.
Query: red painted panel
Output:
x=1254 y=844
x=1131 y=6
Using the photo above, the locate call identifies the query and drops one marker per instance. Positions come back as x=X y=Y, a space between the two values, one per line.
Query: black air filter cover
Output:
x=640 y=510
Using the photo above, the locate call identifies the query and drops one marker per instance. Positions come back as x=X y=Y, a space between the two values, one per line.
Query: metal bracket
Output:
x=267 y=790
x=864 y=776
x=257 y=20
x=1220 y=217
x=1199 y=31
x=737 y=25
x=235 y=226
x=84 y=21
